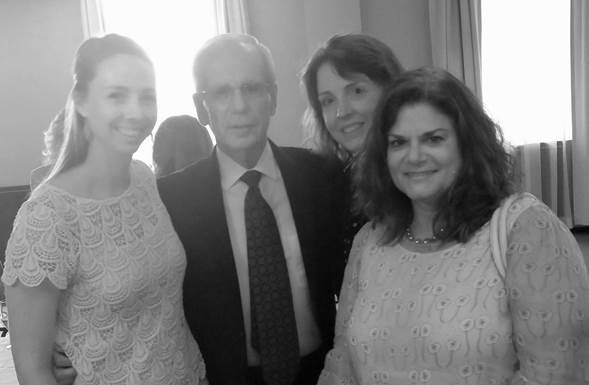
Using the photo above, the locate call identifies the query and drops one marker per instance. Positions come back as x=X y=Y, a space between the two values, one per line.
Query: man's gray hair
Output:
x=220 y=43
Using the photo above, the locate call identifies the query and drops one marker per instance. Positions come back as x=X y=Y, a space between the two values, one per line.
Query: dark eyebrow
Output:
x=355 y=82
x=436 y=131
x=427 y=133
x=115 y=88
x=352 y=83
x=124 y=88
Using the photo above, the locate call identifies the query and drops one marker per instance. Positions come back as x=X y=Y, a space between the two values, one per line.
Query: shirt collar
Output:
x=231 y=171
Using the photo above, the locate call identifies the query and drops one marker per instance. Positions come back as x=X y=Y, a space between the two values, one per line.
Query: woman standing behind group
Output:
x=93 y=263
x=423 y=299
x=344 y=80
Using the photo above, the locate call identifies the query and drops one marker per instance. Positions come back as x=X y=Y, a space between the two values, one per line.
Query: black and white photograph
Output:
x=294 y=192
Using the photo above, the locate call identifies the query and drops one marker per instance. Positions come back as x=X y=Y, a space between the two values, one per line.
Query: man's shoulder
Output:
x=188 y=178
x=305 y=169
x=299 y=154
x=297 y=151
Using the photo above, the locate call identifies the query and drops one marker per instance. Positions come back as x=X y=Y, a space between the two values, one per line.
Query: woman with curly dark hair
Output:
x=456 y=278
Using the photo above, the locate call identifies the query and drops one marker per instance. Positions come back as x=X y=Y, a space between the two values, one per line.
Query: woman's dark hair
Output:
x=485 y=176
x=348 y=54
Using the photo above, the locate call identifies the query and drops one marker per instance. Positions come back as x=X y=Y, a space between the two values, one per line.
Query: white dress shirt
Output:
x=273 y=190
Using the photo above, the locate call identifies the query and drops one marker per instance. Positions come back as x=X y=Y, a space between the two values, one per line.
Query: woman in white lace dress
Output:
x=423 y=299
x=93 y=263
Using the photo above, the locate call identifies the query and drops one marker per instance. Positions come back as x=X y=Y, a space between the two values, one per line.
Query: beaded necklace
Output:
x=420 y=241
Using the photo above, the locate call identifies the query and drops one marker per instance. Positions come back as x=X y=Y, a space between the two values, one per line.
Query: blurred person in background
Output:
x=178 y=142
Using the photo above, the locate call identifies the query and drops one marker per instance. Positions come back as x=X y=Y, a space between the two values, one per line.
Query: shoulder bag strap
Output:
x=498 y=235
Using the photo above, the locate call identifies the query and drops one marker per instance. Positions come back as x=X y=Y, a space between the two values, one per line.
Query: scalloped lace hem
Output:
x=33 y=280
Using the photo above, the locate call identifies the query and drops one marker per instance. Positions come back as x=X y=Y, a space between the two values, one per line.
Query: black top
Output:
x=350 y=221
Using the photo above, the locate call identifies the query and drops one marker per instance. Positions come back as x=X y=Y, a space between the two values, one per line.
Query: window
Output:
x=171 y=31
x=526 y=70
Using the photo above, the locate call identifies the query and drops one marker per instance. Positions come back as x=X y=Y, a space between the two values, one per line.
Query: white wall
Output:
x=403 y=25
x=38 y=39
x=325 y=18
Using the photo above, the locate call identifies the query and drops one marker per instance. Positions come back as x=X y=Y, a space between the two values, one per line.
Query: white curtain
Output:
x=232 y=16
x=546 y=172
x=556 y=172
x=92 y=19
x=455 y=31
x=580 y=104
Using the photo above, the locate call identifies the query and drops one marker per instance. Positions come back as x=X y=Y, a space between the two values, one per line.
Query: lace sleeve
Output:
x=338 y=365
x=549 y=300
x=40 y=246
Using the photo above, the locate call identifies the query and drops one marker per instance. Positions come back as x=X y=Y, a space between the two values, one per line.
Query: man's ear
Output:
x=201 y=112
x=273 y=97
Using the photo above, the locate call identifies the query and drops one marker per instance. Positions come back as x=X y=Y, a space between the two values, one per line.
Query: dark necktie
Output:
x=274 y=332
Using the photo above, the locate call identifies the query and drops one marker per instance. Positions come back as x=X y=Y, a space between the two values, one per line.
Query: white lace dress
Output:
x=120 y=266
x=447 y=317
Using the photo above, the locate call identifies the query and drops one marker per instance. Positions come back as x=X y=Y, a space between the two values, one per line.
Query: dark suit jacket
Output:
x=212 y=302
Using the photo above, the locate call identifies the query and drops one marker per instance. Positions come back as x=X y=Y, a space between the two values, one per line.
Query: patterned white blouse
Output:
x=120 y=265
x=447 y=317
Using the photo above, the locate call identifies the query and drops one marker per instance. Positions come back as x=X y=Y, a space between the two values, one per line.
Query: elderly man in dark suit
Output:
x=256 y=221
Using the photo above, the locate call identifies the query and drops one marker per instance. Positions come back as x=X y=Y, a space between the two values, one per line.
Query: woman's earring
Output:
x=87 y=133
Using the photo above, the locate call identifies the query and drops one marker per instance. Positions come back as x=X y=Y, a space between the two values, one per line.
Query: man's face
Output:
x=239 y=102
